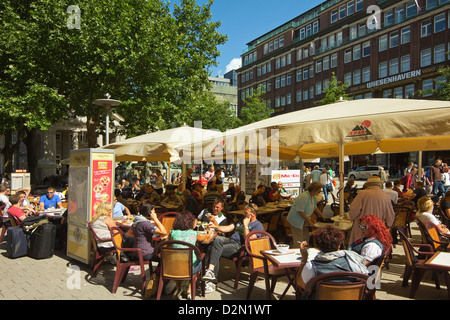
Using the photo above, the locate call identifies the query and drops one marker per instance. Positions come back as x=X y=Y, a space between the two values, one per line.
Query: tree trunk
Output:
x=8 y=151
x=92 y=122
x=32 y=161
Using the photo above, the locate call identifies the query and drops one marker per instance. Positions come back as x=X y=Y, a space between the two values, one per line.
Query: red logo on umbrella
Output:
x=361 y=130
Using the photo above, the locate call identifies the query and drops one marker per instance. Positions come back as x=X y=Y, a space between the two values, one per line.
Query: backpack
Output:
x=29 y=224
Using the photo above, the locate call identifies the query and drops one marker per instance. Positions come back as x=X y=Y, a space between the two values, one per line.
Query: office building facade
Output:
x=379 y=48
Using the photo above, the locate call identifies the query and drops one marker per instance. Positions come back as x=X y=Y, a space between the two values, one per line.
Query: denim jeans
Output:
x=221 y=247
x=438 y=188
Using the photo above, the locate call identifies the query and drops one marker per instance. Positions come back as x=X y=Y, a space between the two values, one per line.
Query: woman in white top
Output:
x=326 y=180
x=446 y=179
x=424 y=213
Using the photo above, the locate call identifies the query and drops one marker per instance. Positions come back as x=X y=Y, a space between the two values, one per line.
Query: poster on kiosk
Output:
x=290 y=179
x=91 y=182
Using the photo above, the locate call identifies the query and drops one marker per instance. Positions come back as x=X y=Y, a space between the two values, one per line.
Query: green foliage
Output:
x=336 y=89
x=153 y=60
x=255 y=109
x=442 y=85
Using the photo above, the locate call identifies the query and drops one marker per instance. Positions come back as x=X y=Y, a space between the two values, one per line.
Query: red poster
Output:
x=102 y=181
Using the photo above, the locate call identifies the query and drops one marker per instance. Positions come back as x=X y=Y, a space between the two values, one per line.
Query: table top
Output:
x=263 y=210
x=57 y=213
x=291 y=259
x=339 y=222
x=440 y=260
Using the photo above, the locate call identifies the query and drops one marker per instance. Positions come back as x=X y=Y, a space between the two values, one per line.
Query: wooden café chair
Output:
x=123 y=267
x=343 y=285
x=431 y=235
x=415 y=262
x=98 y=256
x=176 y=263
x=259 y=266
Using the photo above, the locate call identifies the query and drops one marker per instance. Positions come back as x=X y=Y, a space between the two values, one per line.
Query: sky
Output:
x=246 y=20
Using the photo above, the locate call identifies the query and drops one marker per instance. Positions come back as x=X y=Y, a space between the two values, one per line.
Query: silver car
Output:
x=363 y=173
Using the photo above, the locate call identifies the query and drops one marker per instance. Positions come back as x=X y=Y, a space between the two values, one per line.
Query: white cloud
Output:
x=235 y=63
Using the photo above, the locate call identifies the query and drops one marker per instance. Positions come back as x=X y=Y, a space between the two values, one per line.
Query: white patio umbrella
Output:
x=353 y=127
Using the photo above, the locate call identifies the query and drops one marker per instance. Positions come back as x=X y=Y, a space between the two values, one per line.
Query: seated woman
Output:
x=183 y=230
x=424 y=213
x=349 y=188
x=144 y=230
x=330 y=258
x=376 y=238
x=172 y=199
x=101 y=223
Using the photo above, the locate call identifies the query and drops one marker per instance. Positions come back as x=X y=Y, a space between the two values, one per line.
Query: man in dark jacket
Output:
x=436 y=178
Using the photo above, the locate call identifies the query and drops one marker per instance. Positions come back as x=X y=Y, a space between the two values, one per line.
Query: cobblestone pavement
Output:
x=63 y=278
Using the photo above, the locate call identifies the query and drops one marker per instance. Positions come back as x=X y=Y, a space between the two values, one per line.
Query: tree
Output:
x=154 y=61
x=442 y=85
x=213 y=114
x=334 y=92
x=255 y=109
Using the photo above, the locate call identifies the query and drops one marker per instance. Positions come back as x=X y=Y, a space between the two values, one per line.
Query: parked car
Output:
x=363 y=173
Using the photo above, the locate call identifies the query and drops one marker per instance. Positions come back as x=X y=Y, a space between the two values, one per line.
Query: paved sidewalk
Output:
x=63 y=278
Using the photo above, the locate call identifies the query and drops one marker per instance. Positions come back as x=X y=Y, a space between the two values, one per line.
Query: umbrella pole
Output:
x=341 y=179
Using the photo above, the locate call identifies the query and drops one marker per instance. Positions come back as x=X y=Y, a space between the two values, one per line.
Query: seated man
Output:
x=24 y=204
x=227 y=247
x=14 y=210
x=119 y=210
x=388 y=190
x=49 y=200
x=418 y=192
x=172 y=199
x=219 y=217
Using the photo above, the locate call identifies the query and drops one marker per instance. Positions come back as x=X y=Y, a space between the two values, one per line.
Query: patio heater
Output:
x=107 y=104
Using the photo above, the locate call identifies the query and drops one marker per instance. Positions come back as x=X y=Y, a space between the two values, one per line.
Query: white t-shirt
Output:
x=371 y=251
x=393 y=194
x=426 y=216
x=5 y=200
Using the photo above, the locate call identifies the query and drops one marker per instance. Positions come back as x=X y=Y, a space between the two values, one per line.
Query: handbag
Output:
x=151 y=286
x=329 y=188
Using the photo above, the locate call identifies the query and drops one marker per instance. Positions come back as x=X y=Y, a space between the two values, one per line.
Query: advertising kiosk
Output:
x=91 y=182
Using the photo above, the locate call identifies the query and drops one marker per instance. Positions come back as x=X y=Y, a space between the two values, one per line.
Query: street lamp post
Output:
x=107 y=104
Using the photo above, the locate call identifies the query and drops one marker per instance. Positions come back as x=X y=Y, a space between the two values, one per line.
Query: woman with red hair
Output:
x=376 y=238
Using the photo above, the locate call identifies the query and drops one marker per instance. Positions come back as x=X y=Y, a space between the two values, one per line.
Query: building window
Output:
x=393 y=40
x=288 y=98
x=342 y=12
x=409 y=91
x=398 y=93
x=439 y=23
x=318 y=66
x=348 y=56
x=411 y=9
x=305 y=74
x=305 y=95
x=383 y=70
x=425 y=58
x=311 y=92
x=366 y=49
x=326 y=63
x=359 y=5
x=311 y=71
x=277 y=102
x=319 y=88
x=350 y=7
x=406 y=63
x=356 y=77
x=399 y=14
x=283 y=81
x=388 y=18
x=334 y=60
x=427 y=85
x=368 y=95
x=439 y=53
x=299 y=75
x=406 y=35
x=431 y=4
x=334 y=16
x=366 y=74
x=277 y=83
x=348 y=79
x=425 y=29
x=357 y=52
x=299 y=95
x=387 y=93
x=393 y=67
x=382 y=43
